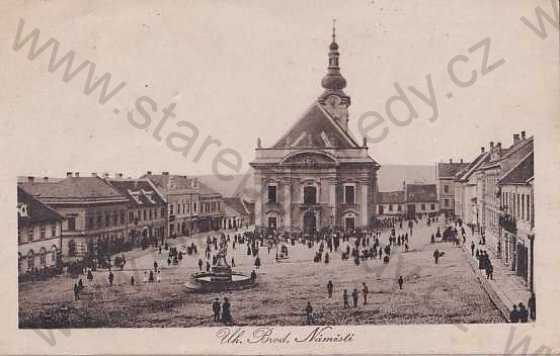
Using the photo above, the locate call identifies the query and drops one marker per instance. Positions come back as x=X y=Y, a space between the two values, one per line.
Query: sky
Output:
x=240 y=70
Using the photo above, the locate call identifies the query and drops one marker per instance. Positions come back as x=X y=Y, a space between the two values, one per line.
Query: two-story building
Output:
x=39 y=235
x=211 y=212
x=445 y=178
x=94 y=214
x=412 y=201
x=147 y=211
x=182 y=194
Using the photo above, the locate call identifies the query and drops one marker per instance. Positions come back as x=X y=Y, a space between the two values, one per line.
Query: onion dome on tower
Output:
x=333 y=81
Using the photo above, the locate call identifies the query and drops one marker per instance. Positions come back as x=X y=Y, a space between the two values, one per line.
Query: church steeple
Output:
x=333 y=99
x=333 y=80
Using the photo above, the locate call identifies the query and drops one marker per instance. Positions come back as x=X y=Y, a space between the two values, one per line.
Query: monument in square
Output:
x=317 y=175
x=220 y=277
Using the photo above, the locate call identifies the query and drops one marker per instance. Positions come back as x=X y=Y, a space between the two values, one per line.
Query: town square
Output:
x=318 y=243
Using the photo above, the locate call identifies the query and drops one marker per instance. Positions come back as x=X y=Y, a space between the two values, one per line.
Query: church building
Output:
x=317 y=175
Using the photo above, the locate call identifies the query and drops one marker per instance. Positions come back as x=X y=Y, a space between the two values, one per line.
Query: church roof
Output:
x=316 y=129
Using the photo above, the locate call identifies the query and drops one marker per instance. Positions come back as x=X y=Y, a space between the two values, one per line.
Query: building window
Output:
x=194 y=207
x=71 y=223
x=43 y=257
x=272 y=194
x=171 y=209
x=399 y=207
x=446 y=189
x=310 y=195
x=30 y=233
x=162 y=212
x=42 y=232
x=150 y=214
x=107 y=220
x=432 y=207
x=90 y=224
x=122 y=217
x=390 y=207
x=423 y=207
x=349 y=196
x=446 y=202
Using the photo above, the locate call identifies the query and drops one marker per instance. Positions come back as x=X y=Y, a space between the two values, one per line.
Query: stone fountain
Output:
x=221 y=277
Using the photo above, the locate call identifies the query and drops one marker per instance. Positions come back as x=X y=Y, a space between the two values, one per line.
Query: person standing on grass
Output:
x=401 y=281
x=365 y=292
x=309 y=313
x=355 y=297
x=345 y=298
x=330 y=288
x=216 y=309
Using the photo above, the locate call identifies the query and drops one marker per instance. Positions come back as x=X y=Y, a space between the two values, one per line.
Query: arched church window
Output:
x=310 y=195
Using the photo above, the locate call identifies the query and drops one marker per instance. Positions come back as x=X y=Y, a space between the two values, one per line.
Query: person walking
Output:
x=200 y=263
x=523 y=313
x=514 y=315
x=226 y=312
x=345 y=299
x=216 y=309
x=401 y=282
x=309 y=313
x=111 y=278
x=76 y=292
x=436 y=256
x=158 y=277
x=145 y=280
x=257 y=262
x=131 y=280
x=330 y=288
x=532 y=305
x=355 y=297
x=151 y=277
x=365 y=292
x=472 y=248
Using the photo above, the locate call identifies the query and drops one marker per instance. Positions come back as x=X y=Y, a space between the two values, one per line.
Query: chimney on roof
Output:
x=120 y=175
x=515 y=138
x=165 y=173
x=45 y=179
x=461 y=160
x=30 y=179
x=522 y=135
x=499 y=144
x=482 y=149
x=68 y=174
x=149 y=173
x=491 y=145
x=450 y=160
x=76 y=174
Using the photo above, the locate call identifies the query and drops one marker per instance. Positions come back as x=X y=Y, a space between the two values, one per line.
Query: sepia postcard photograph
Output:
x=280 y=177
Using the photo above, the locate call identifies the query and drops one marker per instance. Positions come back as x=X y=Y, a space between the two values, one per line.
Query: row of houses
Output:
x=412 y=201
x=75 y=218
x=495 y=195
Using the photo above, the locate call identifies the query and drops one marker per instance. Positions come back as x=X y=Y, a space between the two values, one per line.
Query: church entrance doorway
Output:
x=309 y=222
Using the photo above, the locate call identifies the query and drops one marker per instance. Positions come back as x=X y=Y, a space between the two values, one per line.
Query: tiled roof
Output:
x=236 y=204
x=169 y=182
x=521 y=173
x=421 y=193
x=75 y=190
x=449 y=170
x=206 y=190
x=316 y=129
x=395 y=197
x=140 y=192
x=32 y=211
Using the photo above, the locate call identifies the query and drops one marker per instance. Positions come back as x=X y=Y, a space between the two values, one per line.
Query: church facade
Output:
x=317 y=175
